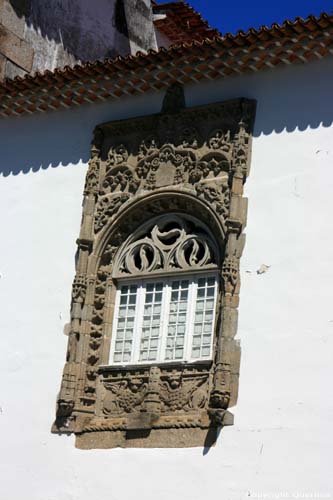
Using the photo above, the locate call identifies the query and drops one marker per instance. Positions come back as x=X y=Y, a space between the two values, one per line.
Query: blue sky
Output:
x=232 y=15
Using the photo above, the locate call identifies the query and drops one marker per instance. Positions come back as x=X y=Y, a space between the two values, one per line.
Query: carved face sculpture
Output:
x=135 y=384
x=175 y=381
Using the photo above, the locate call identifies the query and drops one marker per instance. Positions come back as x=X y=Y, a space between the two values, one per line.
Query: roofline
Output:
x=293 y=42
x=182 y=23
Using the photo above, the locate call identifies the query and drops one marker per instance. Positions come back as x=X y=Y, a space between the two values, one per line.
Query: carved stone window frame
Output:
x=183 y=160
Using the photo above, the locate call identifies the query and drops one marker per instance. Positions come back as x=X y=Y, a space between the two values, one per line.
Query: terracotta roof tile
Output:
x=299 y=41
x=182 y=23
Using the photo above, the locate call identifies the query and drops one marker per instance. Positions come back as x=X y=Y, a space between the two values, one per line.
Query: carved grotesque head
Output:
x=175 y=381
x=135 y=384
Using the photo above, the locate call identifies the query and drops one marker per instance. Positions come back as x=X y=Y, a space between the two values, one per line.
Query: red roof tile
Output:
x=299 y=41
x=182 y=23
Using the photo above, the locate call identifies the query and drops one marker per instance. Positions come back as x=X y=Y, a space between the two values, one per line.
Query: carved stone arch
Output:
x=139 y=210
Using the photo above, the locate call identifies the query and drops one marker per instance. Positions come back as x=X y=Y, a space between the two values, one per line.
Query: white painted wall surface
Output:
x=282 y=439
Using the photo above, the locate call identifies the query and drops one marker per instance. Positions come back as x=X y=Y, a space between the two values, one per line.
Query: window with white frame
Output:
x=165 y=319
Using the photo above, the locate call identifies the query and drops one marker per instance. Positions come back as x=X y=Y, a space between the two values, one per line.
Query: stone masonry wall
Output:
x=35 y=37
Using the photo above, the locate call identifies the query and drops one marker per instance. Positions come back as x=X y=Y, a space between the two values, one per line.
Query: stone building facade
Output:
x=173 y=132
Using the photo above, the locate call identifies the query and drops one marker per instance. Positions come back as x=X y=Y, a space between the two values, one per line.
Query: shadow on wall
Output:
x=288 y=99
x=85 y=32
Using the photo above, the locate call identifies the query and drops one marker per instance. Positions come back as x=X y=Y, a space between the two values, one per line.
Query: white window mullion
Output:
x=216 y=298
x=138 y=323
x=114 y=326
x=190 y=318
x=164 y=319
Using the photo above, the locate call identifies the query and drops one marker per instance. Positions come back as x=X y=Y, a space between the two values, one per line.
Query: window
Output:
x=164 y=320
x=152 y=357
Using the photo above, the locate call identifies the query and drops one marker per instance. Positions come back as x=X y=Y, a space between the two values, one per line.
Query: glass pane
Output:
x=179 y=353
x=120 y=334
x=205 y=352
x=206 y=339
x=130 y=322
x=129 y=333
x=148 y=309
x=196 y=352
x=154 y=343
x=157 y=309
x=196 y=341
x=198 y=316
x=169 y=354
x=183 y=306
x=125 y=325
x=122 y=312
x=118 y=346
x=200 y=305
x=152 y=355
x=209 y=316
x=127 y=357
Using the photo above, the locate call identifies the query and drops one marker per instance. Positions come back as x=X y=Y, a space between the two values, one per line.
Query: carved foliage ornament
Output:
x=163 y=194
x=169 y=158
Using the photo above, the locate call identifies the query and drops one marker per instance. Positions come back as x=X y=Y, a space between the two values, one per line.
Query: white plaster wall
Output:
x=281 y=443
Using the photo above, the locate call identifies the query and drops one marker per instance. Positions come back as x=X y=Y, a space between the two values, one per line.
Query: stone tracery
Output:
x=167 y=243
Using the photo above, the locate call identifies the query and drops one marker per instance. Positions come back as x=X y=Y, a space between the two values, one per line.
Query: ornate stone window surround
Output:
x=193 y=163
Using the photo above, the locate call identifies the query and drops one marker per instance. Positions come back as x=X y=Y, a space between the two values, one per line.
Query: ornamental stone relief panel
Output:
x=163 y=194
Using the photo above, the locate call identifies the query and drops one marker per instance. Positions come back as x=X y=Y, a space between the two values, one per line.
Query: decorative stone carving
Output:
x=163 y=194
x=79 y=289
x=107 y=207
x=230 y=272
x=218 y=195
x=165 y=167
x=184 y=393
x=167 y=243
x=120 y=179
x=124 y=396
x=157 y=391
x=92 y=179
